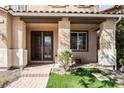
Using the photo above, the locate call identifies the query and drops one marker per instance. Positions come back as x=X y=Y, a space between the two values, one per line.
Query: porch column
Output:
x=63 y=34
x=19 y=43
x=5 y=40
x=107 y=50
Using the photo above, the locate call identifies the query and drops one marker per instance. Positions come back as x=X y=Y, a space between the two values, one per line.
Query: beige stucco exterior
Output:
x=90 y=56
x=5 y=40
x=15 y=38
x=63 y=8
x=107 y=51
x=42 y=27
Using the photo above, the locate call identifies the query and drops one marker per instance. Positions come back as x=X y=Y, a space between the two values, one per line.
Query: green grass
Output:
x=81 y=78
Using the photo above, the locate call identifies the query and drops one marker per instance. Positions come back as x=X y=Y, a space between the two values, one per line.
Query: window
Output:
x=58 y=6
x=78 y=41
x=18 y=7
x=83 y=6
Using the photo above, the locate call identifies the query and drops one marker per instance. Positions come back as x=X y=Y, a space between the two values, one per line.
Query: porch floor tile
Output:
x=34 y=76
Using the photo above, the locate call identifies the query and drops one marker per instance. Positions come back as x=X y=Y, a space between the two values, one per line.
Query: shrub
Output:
x=120 y=43
x=64 y=58
x=120 y=57
x=121 y=62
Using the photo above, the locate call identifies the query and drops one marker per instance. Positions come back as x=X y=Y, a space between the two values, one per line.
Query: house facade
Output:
x=36 y=33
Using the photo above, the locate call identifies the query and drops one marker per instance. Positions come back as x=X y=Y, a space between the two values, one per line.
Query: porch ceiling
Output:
x=73 y=20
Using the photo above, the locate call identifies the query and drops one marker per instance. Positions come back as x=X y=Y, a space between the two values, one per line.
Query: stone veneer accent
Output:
x=107 y=51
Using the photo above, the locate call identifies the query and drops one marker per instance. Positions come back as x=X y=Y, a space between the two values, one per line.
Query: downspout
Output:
x=115 y=40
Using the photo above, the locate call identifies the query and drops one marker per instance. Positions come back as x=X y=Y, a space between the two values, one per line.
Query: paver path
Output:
x=32 y=77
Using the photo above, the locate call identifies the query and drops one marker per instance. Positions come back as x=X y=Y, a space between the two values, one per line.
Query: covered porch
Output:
x=53 y=32
x=61 y=30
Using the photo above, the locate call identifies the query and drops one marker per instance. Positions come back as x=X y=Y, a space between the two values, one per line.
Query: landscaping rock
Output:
x=59 y=71
x=100 y=77
x=10 y=75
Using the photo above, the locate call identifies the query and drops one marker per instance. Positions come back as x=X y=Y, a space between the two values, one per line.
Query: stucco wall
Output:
x=5 y=29
x=19 y=52
x=90 y=56
x=42 y=27
x=107 y=51
x=18 y=33
x=67 y=8
x=5 y=39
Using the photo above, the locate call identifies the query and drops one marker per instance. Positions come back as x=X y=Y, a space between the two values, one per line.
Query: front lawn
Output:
x=81 y=78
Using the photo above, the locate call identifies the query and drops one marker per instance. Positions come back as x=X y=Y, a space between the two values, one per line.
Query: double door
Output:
x=41 y=46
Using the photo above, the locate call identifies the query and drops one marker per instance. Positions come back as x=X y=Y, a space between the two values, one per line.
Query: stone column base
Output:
x=19 y=57
x=107 y=58
x=12 y=58
x=5 y=58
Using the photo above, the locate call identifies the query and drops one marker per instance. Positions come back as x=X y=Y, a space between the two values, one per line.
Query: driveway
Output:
x=34 y=76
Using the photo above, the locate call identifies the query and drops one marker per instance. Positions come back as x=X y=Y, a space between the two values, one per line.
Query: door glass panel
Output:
x=36 y=45
x=47 y=46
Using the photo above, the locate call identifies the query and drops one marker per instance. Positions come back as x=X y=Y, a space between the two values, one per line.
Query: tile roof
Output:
x=80 y=12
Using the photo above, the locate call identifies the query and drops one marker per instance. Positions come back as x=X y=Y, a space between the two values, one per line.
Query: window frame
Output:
x=79 y=31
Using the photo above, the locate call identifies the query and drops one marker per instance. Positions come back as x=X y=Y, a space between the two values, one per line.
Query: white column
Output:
x=107 y=51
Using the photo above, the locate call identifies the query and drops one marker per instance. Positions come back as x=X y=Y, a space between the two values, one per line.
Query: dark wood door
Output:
x=47 y=46
x=36 y=46
x=41 y=46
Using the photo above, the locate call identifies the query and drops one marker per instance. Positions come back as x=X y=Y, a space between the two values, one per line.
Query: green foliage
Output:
x=64 y=58
x=81 y=78
x=120 y=42
x=2 y=82
x=121 y=61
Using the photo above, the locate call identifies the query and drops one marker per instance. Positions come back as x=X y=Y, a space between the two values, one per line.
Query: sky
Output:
x=102 y=7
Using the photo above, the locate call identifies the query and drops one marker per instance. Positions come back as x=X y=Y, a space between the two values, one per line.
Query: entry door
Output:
x=47 y=46
x=41 y=46
x=36 y=46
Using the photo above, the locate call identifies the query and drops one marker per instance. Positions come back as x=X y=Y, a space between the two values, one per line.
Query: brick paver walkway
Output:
x=32 y=77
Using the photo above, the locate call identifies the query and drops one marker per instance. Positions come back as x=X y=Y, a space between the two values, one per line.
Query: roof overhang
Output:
x=67 y=14
x=73 y=20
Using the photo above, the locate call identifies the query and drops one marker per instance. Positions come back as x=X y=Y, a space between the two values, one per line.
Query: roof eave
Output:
x=67 y=15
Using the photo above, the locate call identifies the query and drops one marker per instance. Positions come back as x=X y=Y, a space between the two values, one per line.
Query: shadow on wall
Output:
x=17 y=58
x=3 y=32
x=107 y=55
x=107 y=40
x=64 y=36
